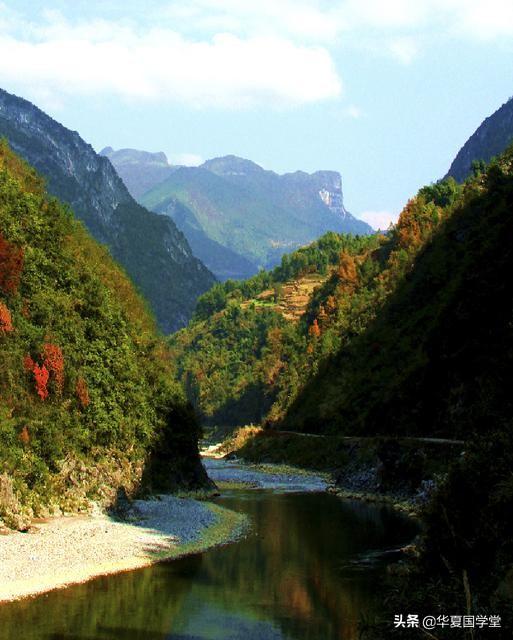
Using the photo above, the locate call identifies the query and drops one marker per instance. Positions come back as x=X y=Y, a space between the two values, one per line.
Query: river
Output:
x=309 y=569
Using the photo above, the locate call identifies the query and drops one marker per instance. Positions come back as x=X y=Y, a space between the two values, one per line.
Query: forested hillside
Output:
x=434 y=359
x=86 y=398
x=250 y=345
x=155 y=254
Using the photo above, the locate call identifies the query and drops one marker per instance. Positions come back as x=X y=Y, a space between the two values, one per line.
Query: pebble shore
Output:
x=69 y=550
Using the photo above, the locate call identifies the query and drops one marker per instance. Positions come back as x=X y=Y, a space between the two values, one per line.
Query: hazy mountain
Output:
x=153 y=251
x=490 y=139
x=139 y=170
x=239 y=217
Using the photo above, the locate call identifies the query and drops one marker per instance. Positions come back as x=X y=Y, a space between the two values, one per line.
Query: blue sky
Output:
x=385 y=92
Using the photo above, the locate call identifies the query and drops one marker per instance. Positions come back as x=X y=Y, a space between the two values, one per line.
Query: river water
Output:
x=310 y=569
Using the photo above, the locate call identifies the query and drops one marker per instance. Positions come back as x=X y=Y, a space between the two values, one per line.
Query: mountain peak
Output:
x=232 y=165
x=121 y=157
x=490 y=139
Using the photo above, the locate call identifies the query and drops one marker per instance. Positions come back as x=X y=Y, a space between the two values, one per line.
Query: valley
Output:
x=355 y=385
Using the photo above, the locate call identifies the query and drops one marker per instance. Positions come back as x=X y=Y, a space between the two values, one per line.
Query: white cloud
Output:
x=352 y=111
x=379 y=219
x=404 y=49
x=160 y=64
x=288 y=18
x=484 y=20
x=187 y=159
x=228 y=53
x=329 y=21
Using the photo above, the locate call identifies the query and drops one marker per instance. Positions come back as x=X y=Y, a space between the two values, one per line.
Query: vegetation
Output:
x=409 y=335
x=241 y=356
x=86 y=391
x=154 y=253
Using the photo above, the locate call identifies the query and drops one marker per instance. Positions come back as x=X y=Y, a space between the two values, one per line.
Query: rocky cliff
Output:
x=153 y=251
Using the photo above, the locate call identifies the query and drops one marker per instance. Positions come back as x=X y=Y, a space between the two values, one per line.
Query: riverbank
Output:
x=70 y=550
x=228 y=474
x=401 y=472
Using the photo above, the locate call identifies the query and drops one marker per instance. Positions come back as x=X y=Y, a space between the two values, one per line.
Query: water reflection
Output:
x=309 y=570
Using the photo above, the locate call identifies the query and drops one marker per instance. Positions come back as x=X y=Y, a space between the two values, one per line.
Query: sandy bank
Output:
x=66 y=551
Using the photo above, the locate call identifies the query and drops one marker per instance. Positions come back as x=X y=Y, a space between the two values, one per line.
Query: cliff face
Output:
x=153 y=251
x=490 y=139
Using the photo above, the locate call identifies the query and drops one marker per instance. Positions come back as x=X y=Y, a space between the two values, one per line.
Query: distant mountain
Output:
x=139 y=170
x=490 y=139
x=153 y=251
x=239 y=217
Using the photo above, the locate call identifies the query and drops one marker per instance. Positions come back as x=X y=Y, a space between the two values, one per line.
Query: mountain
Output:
x=153 y=251
x=87 y=405
x=363 y=336
x=432 y=358
x=240 y=218
x=490 y=139
x=139 y=170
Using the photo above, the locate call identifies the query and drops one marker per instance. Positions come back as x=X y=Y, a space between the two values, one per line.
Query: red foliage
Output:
x=41 y=376
x=53 y=360
x=53 y=364
x=11 y=266
x=82 y=392
x=5 y=319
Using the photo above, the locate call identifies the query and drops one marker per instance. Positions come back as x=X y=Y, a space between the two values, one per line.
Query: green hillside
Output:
x=246 y=349
x=86 y=398
x=434 y=359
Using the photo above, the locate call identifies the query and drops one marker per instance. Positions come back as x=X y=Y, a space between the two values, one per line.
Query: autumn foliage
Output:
x=41 y=376
x=5 y=319
x=11 y=266
x=314 y=330
x=24 y=435
x=52 y=366
x=53 y=360
x=82 y=392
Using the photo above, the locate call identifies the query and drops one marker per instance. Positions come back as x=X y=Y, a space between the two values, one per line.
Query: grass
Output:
x=228 y=526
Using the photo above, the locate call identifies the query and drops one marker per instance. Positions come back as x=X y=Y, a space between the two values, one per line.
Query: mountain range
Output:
x=237 y=216
x=150 y=247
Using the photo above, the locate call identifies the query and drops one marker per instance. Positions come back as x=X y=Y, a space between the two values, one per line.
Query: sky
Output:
x=383 y=91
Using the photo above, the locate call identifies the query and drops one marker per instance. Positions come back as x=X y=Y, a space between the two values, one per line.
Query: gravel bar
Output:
x=69 y=550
